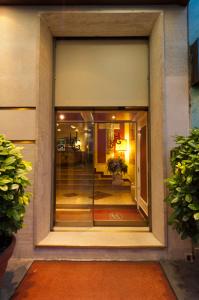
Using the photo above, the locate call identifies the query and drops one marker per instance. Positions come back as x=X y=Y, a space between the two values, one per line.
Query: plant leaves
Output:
x=4 y=188
x=196 y=216
x=4 y=181
x=188 y=198
x=193 y=206
x=175 y=200
x=10 y=160
x=189 y=179
x=14 y=186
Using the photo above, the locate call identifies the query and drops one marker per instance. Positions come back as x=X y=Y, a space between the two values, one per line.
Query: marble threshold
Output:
x=107 y=238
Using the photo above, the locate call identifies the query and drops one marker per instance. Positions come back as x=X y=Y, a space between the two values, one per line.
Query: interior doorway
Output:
x=101 y=168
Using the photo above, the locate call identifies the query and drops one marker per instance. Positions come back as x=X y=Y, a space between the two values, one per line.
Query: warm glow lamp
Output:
x=121 y=145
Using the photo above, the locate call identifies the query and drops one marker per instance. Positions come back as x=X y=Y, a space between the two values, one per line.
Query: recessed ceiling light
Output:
x=62 y=117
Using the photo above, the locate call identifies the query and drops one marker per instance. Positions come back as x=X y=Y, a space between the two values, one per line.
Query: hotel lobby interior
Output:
x=92 y=147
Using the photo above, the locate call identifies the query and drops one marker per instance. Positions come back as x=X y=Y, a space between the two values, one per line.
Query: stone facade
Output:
x=26 y=81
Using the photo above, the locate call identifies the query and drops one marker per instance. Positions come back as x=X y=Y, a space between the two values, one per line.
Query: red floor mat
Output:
x=127 y=214
x=94 y=281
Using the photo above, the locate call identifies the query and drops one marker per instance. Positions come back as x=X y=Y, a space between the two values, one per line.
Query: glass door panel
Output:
x=99 y=169
x=114 y=185
x=74 y=172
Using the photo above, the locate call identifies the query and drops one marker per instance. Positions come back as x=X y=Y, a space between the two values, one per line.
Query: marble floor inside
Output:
x=103 y=196
x=84 y=198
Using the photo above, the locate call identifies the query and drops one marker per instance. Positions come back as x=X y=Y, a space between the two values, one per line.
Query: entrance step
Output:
x=74 y=217
x=109 y=216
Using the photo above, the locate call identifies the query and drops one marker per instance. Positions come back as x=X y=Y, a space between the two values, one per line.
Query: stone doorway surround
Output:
x=102 y=24
x=169 y=115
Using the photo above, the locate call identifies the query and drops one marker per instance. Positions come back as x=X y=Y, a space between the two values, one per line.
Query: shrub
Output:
x=13 y=181
x=183 y=186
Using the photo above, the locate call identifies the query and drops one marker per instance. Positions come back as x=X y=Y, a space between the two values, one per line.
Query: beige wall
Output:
x=97 y=72
x=25 y=80
x=18 y=48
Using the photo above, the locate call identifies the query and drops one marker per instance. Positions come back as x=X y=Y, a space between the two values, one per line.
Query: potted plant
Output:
x=13 y=198
x=183 y=186
x=117 y=167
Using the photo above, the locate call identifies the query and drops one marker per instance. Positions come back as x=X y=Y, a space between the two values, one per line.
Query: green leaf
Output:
x=28 y=165
x=188 y=198
x=192 y=144
x=4 y=152
x=4 y=181
x=9 y=161
x=9 y=167
x=175 y=200
x=4 y=188
x=189 y=179
x=193 y=206
x=196 y=216
x=14 y=186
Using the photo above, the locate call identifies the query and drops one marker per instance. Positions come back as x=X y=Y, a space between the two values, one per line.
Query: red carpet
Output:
x=128 y=214
x=94 y=281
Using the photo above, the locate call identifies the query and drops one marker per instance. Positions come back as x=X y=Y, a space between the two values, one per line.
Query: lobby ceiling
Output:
x=93 y=2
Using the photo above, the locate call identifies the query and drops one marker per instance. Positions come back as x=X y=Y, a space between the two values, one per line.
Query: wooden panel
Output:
x=143 y=164
x=101 y=145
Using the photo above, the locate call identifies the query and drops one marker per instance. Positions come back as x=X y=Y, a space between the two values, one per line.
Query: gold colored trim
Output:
x=18 y=108
x=23 y=141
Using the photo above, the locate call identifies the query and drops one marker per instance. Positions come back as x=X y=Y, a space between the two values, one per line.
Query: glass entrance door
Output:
x=74 y=172
x=114 y=186
x=96 y=169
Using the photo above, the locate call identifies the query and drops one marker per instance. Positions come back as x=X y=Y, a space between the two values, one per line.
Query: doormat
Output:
x=55 y=280
x=127 y=214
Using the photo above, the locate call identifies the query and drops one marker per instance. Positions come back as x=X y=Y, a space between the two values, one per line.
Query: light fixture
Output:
x=57 y=124
x=58 y=129
x=121 y=145
x=113 y=117
x=78 y=143
x=62 y=117
x=72 y=126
